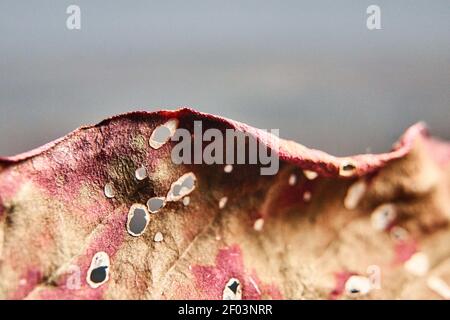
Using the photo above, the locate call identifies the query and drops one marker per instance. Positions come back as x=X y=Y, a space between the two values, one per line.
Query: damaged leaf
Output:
x=100 y=215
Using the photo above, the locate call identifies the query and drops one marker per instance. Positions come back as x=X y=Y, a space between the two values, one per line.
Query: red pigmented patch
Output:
x=211 y=280
x=293 y=195
x=26 y=284
x=10 y=184
x=63 y=293
x=108 y=240
x=404 y=250
x=439 y=151
x=340 y=280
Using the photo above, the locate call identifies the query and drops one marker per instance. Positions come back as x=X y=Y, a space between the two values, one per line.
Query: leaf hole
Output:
x=155 y=204
x=138 y=219
x=163 y=133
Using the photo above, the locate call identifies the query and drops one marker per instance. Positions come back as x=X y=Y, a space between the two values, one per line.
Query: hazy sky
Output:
x=310 y=68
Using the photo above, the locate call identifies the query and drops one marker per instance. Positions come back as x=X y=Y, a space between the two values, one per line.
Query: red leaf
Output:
x=279 y=236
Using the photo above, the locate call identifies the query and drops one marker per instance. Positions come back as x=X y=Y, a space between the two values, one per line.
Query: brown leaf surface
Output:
x=54 y=217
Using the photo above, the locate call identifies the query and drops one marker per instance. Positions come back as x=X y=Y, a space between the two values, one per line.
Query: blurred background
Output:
x=310 y=68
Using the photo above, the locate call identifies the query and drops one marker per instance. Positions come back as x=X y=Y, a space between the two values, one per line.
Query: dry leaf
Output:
x=64 y=211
